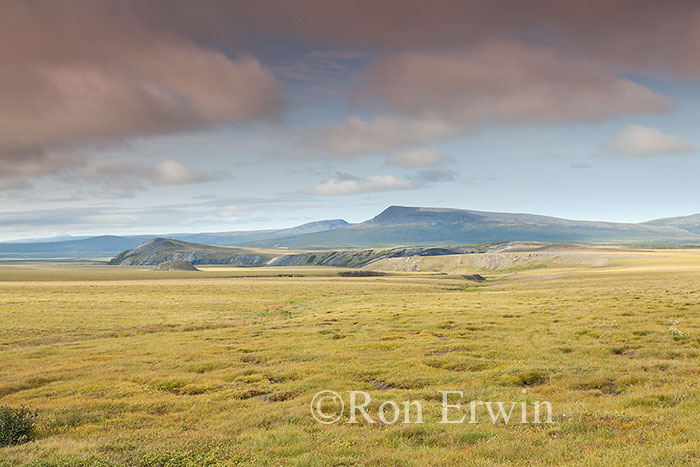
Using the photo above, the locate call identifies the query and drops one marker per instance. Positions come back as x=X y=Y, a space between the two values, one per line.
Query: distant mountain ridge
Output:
x=395 y=226
x=401 y=225
x=110 y=245
x=102 y=245
x=242 y=237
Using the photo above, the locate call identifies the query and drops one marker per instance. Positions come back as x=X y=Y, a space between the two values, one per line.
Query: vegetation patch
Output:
x=16 y=425
x=279 y=396
x=361 y=274
x=474 y=277
x=607 y=384
x=528 y=378
x=31 y=383
x=460 y=364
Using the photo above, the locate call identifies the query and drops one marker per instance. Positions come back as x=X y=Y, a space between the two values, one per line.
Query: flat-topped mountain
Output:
x=399 y=225
x=400 y=215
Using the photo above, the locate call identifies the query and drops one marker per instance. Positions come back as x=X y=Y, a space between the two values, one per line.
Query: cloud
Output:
x=435 y=174
x=429 y=160
x=15 y=173
x=648 y=36
x=124 y=175
x=641 y=141
x=417 y=159
x=505 y=82
x=14 y=184
x=345 y=184
x=175 y=173
x=113 y=174
x=448 y=94
x=77 y=75
x=380 y=134
x=220 y=214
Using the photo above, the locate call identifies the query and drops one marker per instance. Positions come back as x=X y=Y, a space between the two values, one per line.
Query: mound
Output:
x=361 y=274
x=175 y=266
x=474 y=277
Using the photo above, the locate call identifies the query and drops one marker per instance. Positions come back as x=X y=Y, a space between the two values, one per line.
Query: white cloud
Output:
x=356 y=136
x=124 y=175
x=345 y=184
x=639 y=141
x=175 y=173
x=417 y=159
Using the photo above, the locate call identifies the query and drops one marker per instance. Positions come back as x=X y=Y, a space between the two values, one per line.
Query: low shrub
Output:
x=16 y=425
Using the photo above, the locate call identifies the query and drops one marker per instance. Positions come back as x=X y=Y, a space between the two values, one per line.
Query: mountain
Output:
x=57 y=238
x=689 y=223
x=399 y=225
x=395 y=226
x=93 y=247
x=110 y=245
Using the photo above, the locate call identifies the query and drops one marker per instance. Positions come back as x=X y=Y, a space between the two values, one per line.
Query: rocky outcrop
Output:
x=175 y=266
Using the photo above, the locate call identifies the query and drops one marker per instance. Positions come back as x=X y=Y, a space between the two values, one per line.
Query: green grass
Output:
x=133 y=367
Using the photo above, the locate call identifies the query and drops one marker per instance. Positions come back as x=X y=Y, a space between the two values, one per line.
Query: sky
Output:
x=153 y=117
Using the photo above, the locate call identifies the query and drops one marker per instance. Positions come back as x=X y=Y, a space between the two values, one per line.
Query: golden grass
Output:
x=133 y=367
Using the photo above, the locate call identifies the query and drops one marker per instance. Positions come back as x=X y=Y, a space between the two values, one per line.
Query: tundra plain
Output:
x=129 y=366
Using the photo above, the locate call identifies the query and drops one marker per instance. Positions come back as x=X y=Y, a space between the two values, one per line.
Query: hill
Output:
x=242 y=237
x=689 y=223
x=484 y=258
x=92 y=247
x=162 y=250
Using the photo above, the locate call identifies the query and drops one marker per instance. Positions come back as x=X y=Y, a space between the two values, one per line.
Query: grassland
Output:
x=128 y=366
